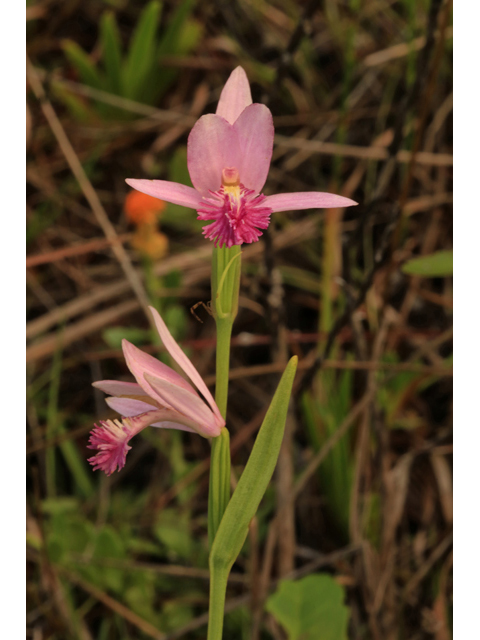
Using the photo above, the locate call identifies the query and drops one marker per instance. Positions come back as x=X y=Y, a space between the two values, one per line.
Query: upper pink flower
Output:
x=228 y=156
x=160 y=398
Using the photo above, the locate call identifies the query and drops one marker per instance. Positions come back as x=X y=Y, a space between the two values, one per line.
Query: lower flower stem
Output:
x=218 y=590
x=219 y=488
x=225 y=287
x=224 y=333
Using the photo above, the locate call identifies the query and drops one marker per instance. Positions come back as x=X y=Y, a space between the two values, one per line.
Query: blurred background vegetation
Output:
x=361 y=94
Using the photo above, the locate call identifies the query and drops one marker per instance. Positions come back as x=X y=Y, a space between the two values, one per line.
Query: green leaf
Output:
x=255 y=477
x=112 y=52
x=54 y=506
x=170 y=39
x=109 y=544
x=179 y=38
x=82 y=63
x=173 y=530
x=79 y=469
x=141 y=55
x=175 y=614
x=311 y=608
x=113 y=336
x=436 y=265
x=79 y=107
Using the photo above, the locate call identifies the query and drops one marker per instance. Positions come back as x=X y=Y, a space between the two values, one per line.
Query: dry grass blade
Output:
x=363 y=153
x=114 y=605
x=78 y=250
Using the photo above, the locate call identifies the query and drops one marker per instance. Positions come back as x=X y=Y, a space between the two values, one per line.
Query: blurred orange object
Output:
x=150 y=242
x=142 y=209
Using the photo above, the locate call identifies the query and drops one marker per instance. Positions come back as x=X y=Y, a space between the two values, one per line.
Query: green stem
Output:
x=224 y=333
x=225 y=289
x=218 y=590
x=219 y=488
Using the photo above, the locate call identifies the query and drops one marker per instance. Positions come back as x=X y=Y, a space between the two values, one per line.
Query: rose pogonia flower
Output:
x=160 y=397
x=228 y=158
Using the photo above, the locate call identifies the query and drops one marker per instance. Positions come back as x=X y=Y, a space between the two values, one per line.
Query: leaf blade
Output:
x=435 y=265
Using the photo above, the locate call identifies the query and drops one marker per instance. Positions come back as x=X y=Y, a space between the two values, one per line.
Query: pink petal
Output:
x=128 y=407
x=173 y=425
x=164 y=418
x=168 y=191
x=118 y=388
x=212 y=146
x=187 y=405
x=183 y=362
x=255 y=136
x=235 y=96
x=140 y=363
x=307 y=200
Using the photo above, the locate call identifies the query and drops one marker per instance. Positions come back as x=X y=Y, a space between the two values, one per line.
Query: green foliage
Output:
x=89 y=74
x=43 y=217
x=173 y=530
x=323 y=414
x=112 y=52
x=311 y=608
x=140 y=59
x=243 y=505
x=435 y=265
x=181 y=36
x=113 y=336
x=256 y=476
x=136 y=74
x=394 y=394
x=99 y=554
x=175 y=317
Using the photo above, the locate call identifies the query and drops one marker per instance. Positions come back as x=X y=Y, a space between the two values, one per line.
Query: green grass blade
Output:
x=171 y=38
x=180 y=37
x=80 y=60
x=112 y=52
x=76 y=464
x=435 y=265
x=141 y=55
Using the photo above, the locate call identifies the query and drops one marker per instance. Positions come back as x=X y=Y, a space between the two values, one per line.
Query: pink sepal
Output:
x=235 y=96
x=307 y=200
x=168 y=191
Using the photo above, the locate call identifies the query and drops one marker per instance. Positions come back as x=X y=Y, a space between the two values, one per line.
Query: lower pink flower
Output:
x=160 y=397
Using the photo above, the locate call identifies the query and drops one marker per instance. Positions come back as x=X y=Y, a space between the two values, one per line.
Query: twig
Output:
x=363 y=153
x=399 y=50
x=76 y=250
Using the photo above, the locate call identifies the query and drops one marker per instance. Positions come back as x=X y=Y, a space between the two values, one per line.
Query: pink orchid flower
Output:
x=228 y=157
x=160 y=398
